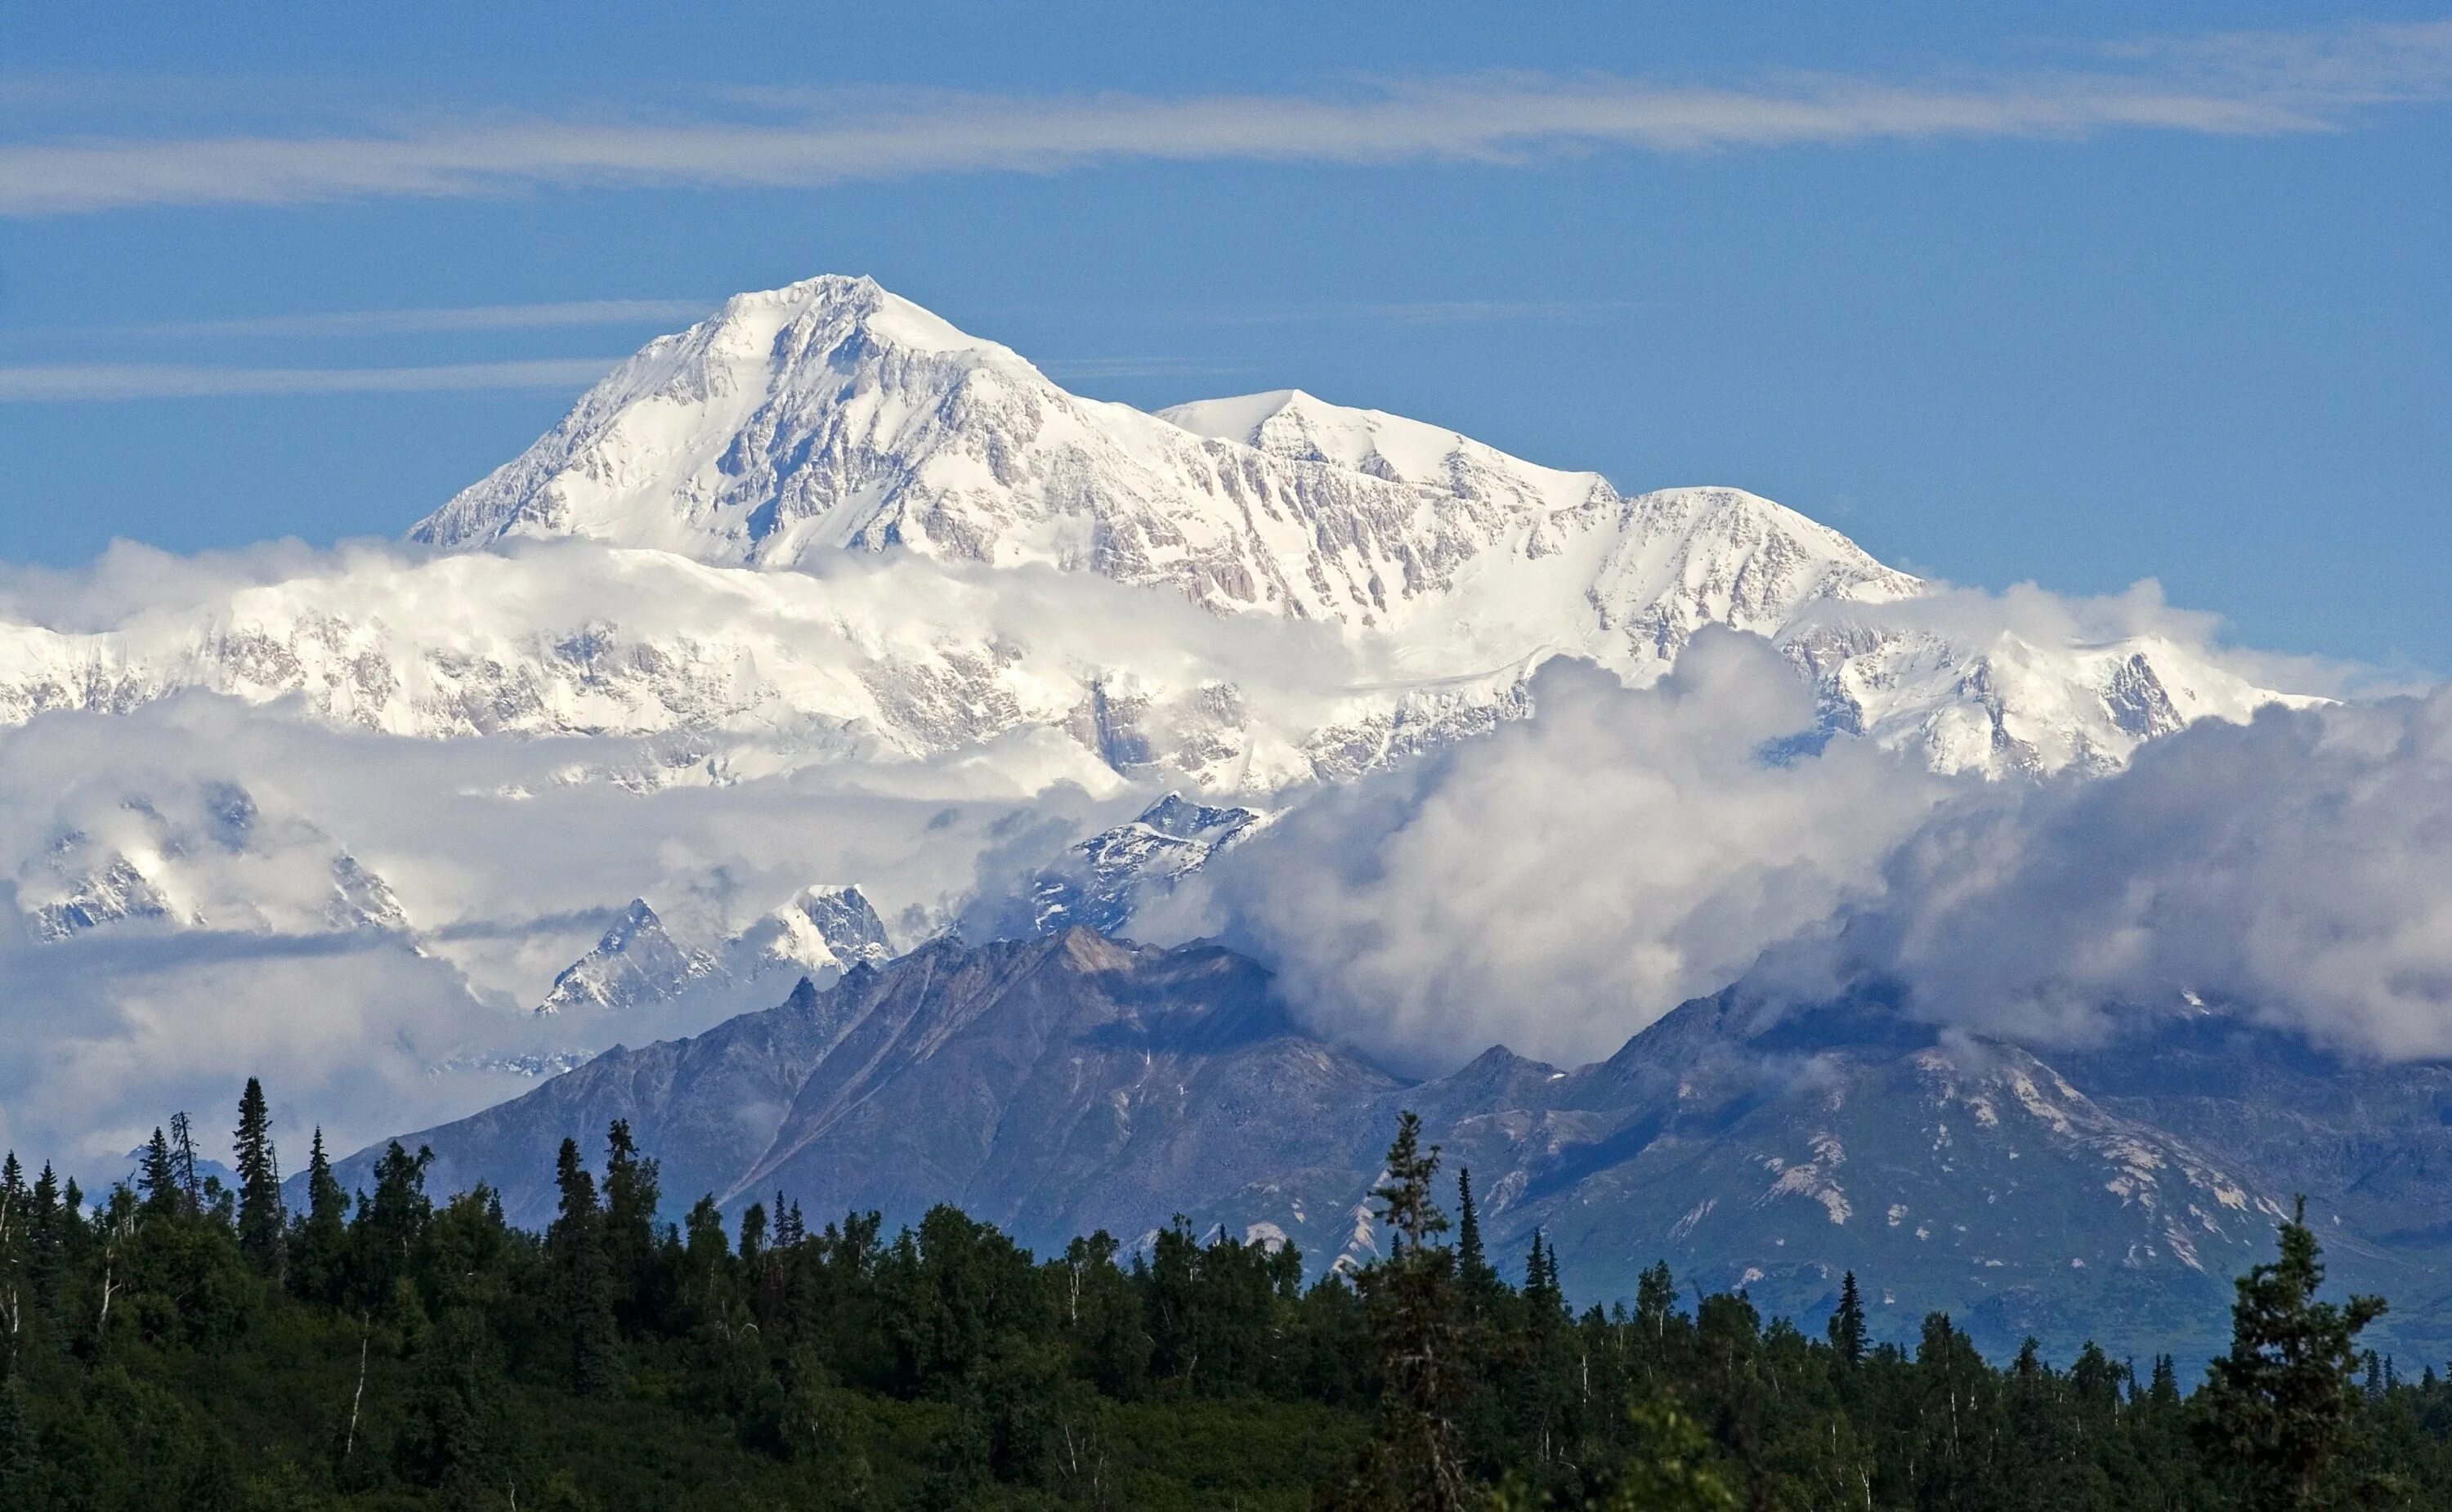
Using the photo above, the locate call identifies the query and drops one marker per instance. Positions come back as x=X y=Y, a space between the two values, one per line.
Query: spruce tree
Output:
x=1469 y=1257
x=575 y=1243
x=2163 y=1386
x=157 y=1179
x=385 y=1237
x=2282 y=1404
x=46 y=1237
x=317 y=1249
x=1417 y=1314
x=261 y=1224
x=753 y=1234
x=630 y=1198
x=1847 y=1328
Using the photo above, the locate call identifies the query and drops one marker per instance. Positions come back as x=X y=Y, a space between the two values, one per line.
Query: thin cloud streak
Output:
x=76 y=382
x=2254 y=83
x=1428 y=312
x=425 y=321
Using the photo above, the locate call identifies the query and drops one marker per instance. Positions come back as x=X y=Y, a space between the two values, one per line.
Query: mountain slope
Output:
x=1056 y=1085
x=1071 y=1083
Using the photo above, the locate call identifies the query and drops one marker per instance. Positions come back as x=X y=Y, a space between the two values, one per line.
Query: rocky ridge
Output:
x=1073 y=1082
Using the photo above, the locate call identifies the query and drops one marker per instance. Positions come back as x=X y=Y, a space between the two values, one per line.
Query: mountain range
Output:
x=1074 y=1082
x=823 y=531
x=824 y=587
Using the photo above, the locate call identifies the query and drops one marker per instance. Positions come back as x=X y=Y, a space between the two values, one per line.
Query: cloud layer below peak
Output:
x=1563 y=882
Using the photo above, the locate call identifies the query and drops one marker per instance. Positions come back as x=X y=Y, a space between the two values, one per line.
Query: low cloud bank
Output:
x=1561 y=884
x=505 y=866
x=2297 y=869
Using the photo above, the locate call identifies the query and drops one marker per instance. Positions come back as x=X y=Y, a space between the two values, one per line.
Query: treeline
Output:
x=179 y=1344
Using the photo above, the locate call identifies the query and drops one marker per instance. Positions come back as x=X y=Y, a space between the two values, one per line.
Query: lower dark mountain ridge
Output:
x=1073 y=1082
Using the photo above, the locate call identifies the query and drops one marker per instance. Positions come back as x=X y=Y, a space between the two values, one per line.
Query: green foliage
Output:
x=262 y=1223
x=154 y=1353
x=1847 y=1328
x=2284 y=1405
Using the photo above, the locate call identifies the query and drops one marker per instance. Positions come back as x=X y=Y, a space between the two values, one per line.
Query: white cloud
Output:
x=115 y=1028
x=1561 y=882
x=2249 y=83
x=2297 y=869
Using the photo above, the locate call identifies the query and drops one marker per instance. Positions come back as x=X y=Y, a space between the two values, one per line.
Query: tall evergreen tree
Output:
x=16 y=1255
x=630 y=1198
x=2163 y=1386
x=1470 y=1261
x=1545 y=1300
x=383 y=1240
x=263 y=1226
x=156 y=1178
x=2282 y=1404
x=319 y=1247
x=576 y=1241
x=752 y=1233
x=1416 y=1315
x=1847 y=1329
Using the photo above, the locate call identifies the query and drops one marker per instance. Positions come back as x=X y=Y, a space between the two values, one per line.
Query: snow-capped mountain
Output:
x=1100 y=881
x=831 y=423
x=635 y=963
x=198 y=856
x=821 y=933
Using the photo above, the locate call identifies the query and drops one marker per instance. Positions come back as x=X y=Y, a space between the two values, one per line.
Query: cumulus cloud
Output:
x=505 y=856
x=2297 y=869
x=1563 y=881
x=2246 y=83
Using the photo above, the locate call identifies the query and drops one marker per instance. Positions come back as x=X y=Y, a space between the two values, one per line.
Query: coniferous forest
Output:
x=176 y=1344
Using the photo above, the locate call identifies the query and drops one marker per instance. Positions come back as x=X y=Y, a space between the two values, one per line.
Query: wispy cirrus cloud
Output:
x=1426 y=312
x=2245 y=84
x=114 y=380
x=430 y=321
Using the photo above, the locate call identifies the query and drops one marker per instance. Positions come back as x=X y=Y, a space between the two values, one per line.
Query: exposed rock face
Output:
x=1054 y=1085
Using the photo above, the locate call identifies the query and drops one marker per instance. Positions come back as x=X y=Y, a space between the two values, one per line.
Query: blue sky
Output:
x=2078 y=293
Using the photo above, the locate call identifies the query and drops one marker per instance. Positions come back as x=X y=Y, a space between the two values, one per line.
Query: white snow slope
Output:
x=815 y=426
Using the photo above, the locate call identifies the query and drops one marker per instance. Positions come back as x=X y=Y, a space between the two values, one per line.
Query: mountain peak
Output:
x=858 y=301
x=741 y=439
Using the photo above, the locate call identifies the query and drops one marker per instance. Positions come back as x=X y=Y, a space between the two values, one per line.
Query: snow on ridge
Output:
x=831 y=423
